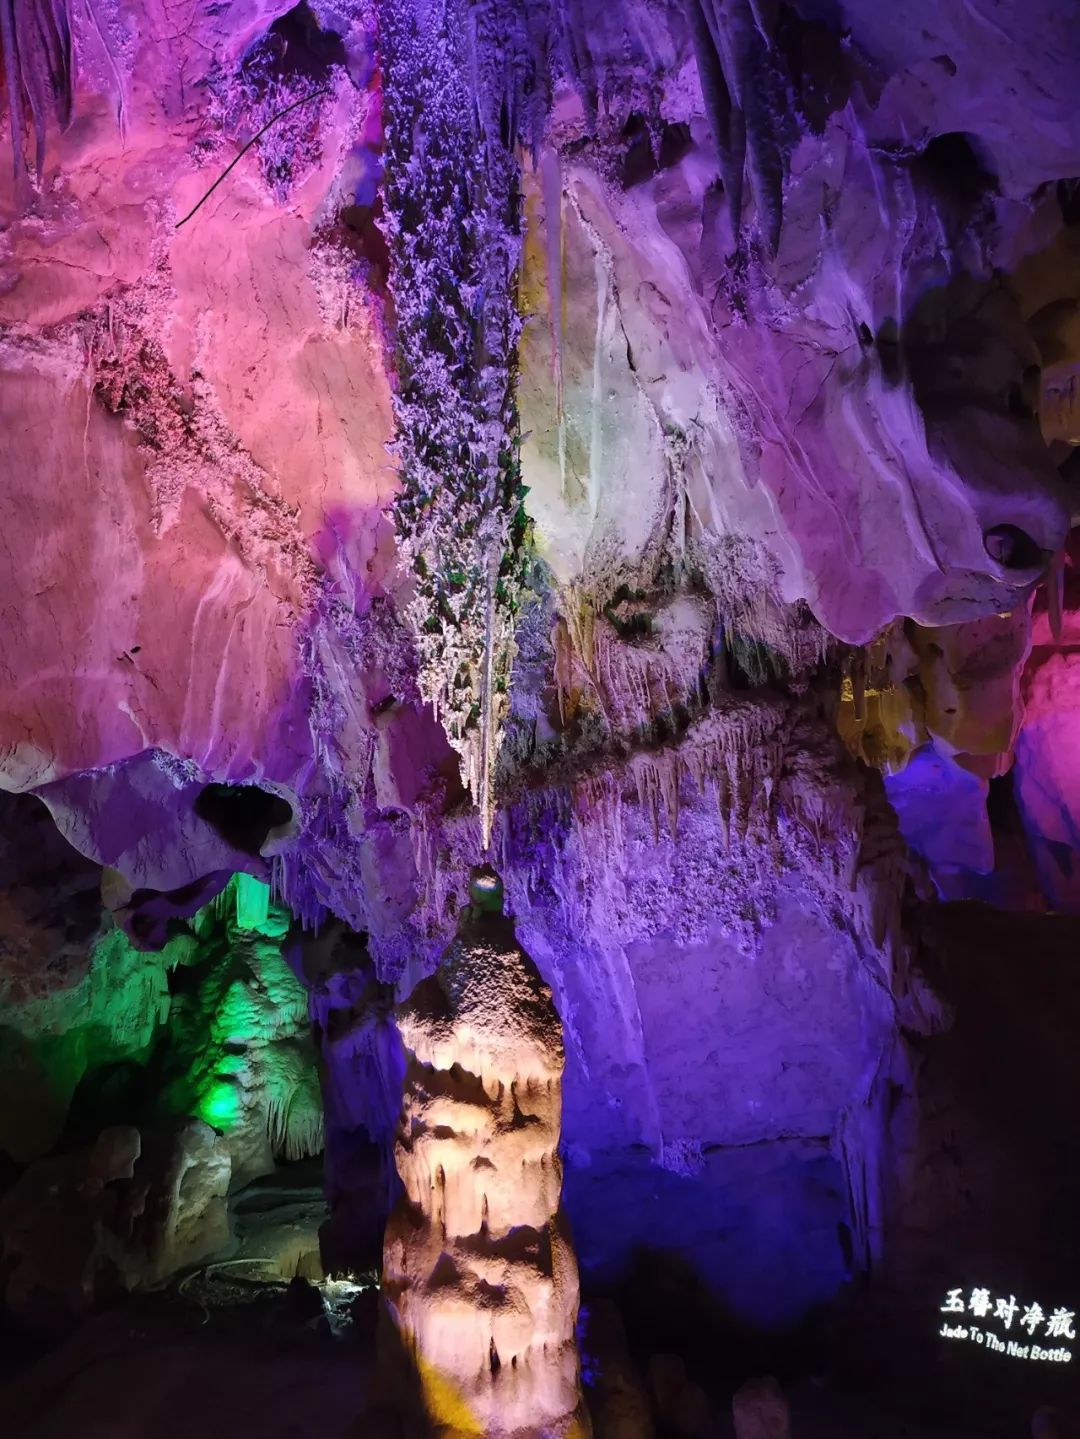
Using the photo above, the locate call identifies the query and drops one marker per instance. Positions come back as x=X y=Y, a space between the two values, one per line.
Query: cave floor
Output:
x=161 y=1369
x=257 y=1342
x=264 y=1361
x=276 y=1223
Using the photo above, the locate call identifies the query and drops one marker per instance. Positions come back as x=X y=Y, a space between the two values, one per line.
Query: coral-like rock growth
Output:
x=479 y=1270
x=455 y=100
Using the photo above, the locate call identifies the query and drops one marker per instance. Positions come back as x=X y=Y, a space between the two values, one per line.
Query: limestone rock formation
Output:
x=213 y=1025
x=128 y=1214
x=775 y=380
x=629 y=444
x=480 y=1274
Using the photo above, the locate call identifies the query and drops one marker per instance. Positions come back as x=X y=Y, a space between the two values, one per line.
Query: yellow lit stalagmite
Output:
x=478 y=1269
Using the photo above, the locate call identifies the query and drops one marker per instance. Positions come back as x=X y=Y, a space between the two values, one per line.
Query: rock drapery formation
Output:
x=634 y=445
x=479 y=1270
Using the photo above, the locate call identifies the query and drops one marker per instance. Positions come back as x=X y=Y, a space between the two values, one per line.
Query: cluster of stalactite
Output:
x=458 y=86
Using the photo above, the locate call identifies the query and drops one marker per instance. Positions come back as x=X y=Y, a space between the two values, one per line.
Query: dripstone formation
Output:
x=479 y=1270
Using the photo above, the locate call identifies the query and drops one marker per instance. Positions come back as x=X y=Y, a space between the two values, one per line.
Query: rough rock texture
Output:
x=785 y=369
x=459 y=93
x=760 y=1411
x=77 y=999
x=789 y=401
x=1045 y=773
x=239 y=1029
x=213 y=1025
x=128 y=1214
x=479 y=1272
x=665 y=934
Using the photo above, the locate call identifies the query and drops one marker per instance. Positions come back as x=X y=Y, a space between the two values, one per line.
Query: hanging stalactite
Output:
x=460 y=90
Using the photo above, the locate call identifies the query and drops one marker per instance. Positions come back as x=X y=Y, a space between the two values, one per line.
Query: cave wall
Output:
x=773 y=444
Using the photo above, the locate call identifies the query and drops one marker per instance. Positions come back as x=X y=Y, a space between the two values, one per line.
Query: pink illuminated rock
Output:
x=785 y=407
x=816 y=430
x=192 y=423
x=1046 y=779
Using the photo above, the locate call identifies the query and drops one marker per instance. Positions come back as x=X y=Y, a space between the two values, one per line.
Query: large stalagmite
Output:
x=479 y=1271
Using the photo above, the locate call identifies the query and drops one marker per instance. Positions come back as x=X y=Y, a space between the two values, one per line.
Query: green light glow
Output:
x=252 y=902
x=220 y=1107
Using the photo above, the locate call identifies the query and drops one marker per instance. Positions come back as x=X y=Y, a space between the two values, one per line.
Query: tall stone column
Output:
x=479 y=1272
